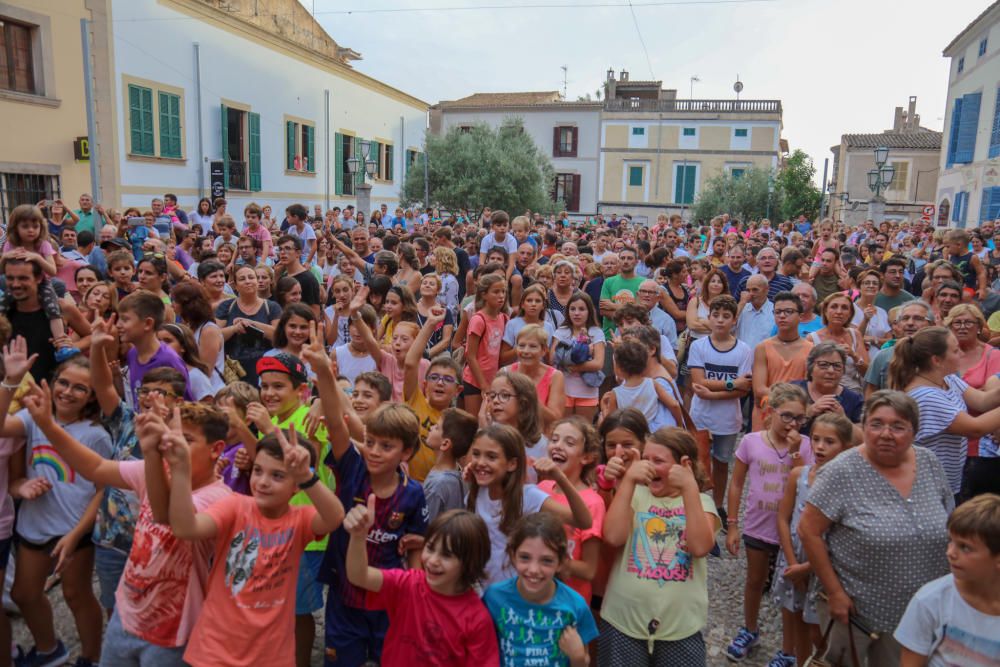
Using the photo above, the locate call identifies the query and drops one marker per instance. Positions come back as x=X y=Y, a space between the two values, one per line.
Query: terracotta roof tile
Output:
x=925 y=139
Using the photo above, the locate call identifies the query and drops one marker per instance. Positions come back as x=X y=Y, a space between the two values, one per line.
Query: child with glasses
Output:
x=765 y=459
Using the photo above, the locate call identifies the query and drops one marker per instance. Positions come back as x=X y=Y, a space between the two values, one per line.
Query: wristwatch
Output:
x=308 y=484
x=730 y=385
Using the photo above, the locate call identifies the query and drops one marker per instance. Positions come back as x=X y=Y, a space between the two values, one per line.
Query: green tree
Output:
x=799 y=194
x=480 y=167
x=743 y=198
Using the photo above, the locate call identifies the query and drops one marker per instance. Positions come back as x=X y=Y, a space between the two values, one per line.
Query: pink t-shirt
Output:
x=490 y=332
x=249 y=610
x=428 y=628
x=766 y=476
x=8 y=447
x=575 y=536
x=389 y=367
x=162 y=588
x=45 y=248
x=261 y=235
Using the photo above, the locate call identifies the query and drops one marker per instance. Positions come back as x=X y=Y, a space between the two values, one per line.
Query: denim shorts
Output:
x=109 y=565
x=309 y=591
x=123 y=649
x=724 y=447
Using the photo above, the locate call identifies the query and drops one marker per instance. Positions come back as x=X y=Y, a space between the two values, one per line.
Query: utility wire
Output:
x=641 y=40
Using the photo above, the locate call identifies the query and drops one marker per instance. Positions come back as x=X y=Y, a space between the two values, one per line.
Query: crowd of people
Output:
x=476 y=440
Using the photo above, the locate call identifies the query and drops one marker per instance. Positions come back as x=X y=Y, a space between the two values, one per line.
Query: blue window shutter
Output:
x=964 y=213
x=968 y=128
x=985 y=204
x=956 y=210
x=995 y=133
x=994 y=211
x=956 y=121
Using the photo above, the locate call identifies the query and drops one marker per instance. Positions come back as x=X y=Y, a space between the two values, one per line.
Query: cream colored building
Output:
x=41 y=102
x=657 y=151
x=914 y=152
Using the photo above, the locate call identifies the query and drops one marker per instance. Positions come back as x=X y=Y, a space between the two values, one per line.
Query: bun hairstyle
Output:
x=914 y=354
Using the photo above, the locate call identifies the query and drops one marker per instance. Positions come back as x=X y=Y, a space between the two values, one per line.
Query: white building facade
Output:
x=568 y=133
x=267 y=94
x=968 y=190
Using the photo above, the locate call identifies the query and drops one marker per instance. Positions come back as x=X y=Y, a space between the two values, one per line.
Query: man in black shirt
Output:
x=27 y=317
x=290 y=264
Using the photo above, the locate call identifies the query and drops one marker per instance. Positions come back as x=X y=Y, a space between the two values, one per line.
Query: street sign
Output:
x=928 y=214
x=217 y=178
x=81 y=149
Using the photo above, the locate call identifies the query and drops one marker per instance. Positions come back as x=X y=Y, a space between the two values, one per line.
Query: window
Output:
x=638 y=131
x=413 y=159
x=567 y=190
x=685 y=177
x=900 y=176
x=564 y=141
x=961 y=205
x=345 y=147
x=961 y=64
x=689 y=132
x=995 y=130
x=737 y=173
x=989 y=207
x=17 y=61
x=741 y=132
x=155 y=120
x=465 y=129
x=383 y=157
x=982 y=46
x=635 y=176
x=241 y=148
x=964 y=126
x=17 y=189
x=300 y=146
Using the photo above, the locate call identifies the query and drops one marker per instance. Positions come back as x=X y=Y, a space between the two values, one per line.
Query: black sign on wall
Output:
x=217 y=171
x=81 y=149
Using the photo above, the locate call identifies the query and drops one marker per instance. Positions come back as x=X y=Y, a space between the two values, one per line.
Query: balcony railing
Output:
x=695 y=106
x=238 y=175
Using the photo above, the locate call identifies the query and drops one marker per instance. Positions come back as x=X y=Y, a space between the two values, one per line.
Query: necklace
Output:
x=767 y=437
x=941 y=385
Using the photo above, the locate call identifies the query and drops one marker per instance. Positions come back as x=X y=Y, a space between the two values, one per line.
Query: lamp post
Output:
x=363 y=190
x=879 y=179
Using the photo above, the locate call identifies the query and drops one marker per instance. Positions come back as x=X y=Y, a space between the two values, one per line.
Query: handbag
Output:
x=818 y=657
x=232 y=370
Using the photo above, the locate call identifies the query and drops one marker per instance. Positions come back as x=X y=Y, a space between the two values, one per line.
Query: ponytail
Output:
x=913 y=354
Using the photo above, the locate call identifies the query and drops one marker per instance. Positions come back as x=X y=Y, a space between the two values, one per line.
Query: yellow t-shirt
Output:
x=423 y=460
x=297 y=421
x=654 y=577
x=994 y=322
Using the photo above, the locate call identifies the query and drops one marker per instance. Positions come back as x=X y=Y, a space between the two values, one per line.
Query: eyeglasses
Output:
x=895 y=428
x=78 y=389
x=649 y=292
x=153 y=255
x=435 y=378
x=789 y=418
x=786 y=312
x=963 y=324
x=828 y=365
x=500 y=396
x=155 y=391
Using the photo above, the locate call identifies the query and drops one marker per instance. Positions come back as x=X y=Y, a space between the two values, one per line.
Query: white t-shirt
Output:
x=509 y=243
x=351 y=366
x=343 y=326
x=306 y=235
x=723 y=417
x=514 y=327
x=940 y=624
x=499 y=568
x=878 y=326
x=575 y=386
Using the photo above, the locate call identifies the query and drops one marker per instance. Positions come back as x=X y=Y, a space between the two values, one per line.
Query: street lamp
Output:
x=879 y=179
x=365 y=163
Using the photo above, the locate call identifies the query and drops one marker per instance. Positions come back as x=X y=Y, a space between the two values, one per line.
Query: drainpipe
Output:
x=88 y=87
x=198 y=115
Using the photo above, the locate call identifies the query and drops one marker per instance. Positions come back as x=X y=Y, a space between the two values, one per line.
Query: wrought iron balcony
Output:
x=694 y=106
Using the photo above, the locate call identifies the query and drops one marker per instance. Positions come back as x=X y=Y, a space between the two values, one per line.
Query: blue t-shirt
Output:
x=403 y=513
x=528 y=633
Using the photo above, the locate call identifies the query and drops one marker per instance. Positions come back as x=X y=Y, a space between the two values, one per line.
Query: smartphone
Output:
x=254 y=327
x=136 y=221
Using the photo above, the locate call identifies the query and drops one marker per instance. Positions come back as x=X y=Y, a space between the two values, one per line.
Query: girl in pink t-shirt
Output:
x=28 y=240
x=485 y=336
x=575 y=447
x=435 y=614
x=764 y=459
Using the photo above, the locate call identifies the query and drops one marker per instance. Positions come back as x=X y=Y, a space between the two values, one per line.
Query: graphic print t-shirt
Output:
x=721 y=416
x=251 y=590
x=528 y=633
x=654 y=576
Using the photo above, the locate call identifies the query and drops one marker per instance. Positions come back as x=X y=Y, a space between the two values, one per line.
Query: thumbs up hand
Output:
x=361 y=517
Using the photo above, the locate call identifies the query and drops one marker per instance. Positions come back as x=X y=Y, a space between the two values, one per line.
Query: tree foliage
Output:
x=800 y=196
x=483 y=166
x=743 y=198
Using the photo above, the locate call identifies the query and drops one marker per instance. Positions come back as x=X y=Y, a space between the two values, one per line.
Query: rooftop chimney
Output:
x=624 y=75
x=897 y=120
x=611 y=74
x=912 y=119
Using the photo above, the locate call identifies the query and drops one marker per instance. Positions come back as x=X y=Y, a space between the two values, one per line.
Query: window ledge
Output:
x=29 y=98
x=153 y=158
x=293 y=172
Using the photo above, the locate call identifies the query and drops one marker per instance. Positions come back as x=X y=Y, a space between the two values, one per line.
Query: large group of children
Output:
x=347 y=481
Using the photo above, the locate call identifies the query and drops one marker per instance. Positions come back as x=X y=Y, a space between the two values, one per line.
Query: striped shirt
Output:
x=779 y=283
x=938 y=409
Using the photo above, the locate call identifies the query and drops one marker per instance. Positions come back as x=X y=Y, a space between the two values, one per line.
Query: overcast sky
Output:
x=837 y=67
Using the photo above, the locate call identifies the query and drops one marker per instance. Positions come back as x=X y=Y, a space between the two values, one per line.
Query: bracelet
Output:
x=9 y=387
x=732 y=522
x=311 y=482
x=603 y=482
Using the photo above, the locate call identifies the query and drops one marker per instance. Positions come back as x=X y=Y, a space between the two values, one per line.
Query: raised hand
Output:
x=360 y=299
x=150 y=429
x=258 y=415
x=436 y=316
x=681 y=475
x=640 y=472
x=314 y=352
x=361 y=518
x=242 y=460
x=16 y=361
x=38 y=402
x=546 y=468
x=101 y=331
x=296 y=456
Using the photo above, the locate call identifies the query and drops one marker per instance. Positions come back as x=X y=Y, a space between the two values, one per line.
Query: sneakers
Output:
x=64 y=353
x=58 y=656
x=743 y=644
x=782 y=659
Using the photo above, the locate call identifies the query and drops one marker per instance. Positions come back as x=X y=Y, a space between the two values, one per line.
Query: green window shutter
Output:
x=254 y=123
x=310 y=147
x=635 y=176
x=684 y=184
x=170 y=125
x=225 y=144
x=289 y=144
x=359 y=177
x=338 y=163
x=141 y=119
x=377 y=154
x=388 y=162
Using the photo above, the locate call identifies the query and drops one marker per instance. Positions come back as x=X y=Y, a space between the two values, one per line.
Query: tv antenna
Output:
x=565 y=69
x=738 y=87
